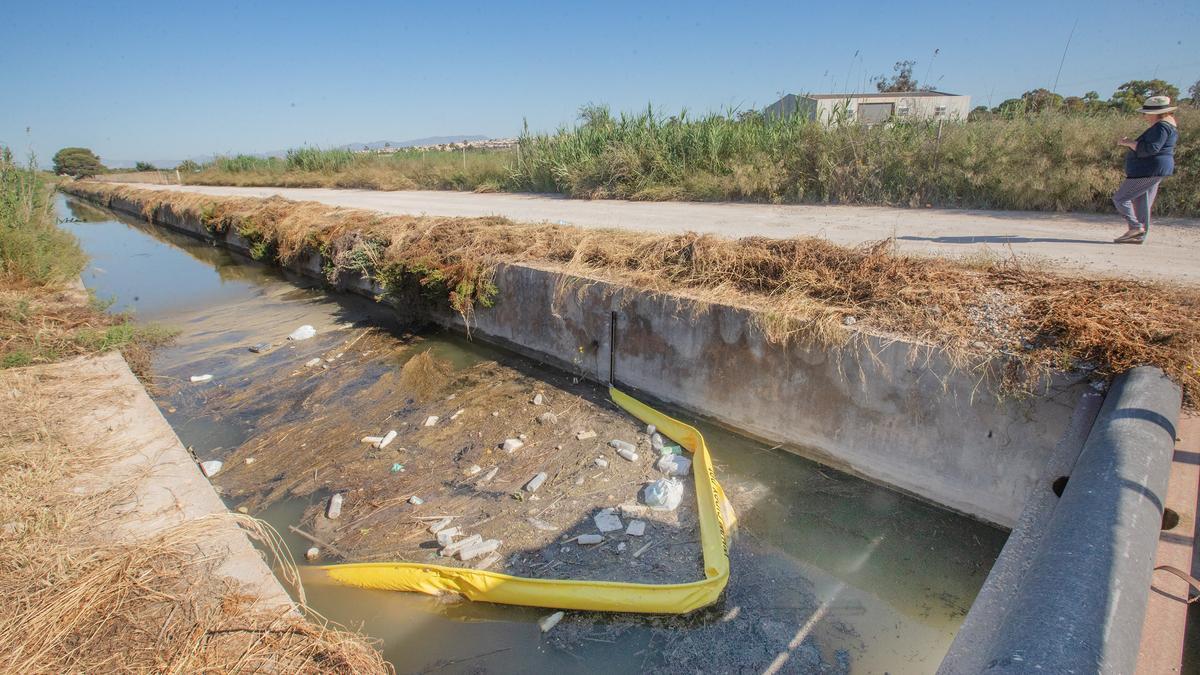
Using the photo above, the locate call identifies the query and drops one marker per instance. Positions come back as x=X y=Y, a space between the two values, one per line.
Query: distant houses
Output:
x=873 y=108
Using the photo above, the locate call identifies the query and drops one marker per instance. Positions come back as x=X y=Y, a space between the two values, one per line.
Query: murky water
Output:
x=829 y=572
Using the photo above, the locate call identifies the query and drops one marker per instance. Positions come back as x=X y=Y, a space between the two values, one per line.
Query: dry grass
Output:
x=800 y=289
x=73 y=600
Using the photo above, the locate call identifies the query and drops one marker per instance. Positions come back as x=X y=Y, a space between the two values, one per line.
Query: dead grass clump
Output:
x=423 y=375
x=803 y=289
x=74 y=600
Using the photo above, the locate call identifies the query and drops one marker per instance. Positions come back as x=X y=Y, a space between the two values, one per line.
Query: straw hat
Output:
x=1157 y=105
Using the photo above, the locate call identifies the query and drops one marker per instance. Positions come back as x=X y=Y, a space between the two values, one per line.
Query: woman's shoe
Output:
x=1131 y=236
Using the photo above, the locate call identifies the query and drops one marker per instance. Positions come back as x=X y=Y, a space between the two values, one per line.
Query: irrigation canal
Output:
x=830 y=573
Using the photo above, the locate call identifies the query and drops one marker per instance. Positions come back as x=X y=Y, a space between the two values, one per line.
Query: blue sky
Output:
x=162 y=80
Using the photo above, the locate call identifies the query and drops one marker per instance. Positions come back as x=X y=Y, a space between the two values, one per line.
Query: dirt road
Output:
x=1070 y=242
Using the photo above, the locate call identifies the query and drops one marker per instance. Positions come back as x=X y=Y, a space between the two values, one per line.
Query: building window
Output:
x=938 y=111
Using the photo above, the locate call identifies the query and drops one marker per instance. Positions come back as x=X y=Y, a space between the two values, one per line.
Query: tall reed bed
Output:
x=1044 y=162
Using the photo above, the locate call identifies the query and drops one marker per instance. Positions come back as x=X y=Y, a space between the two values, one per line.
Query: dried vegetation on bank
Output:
x=803 y=289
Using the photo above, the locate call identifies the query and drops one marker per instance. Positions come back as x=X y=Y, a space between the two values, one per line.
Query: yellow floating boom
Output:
x=716 y=518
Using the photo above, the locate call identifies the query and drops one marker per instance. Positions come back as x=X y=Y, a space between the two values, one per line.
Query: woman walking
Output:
x=1150 y=159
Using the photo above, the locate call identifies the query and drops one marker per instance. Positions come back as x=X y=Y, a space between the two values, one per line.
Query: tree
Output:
x=1132 y=94
x=187 y=166
x=77 y=162
x=144 y=166
x=1194 y=92
x=979 y=113
x=902 y=80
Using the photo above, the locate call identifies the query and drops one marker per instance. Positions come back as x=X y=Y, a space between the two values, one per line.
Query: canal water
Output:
x=830 y=573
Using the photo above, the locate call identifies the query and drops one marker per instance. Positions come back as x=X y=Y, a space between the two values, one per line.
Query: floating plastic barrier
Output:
x=716 y=521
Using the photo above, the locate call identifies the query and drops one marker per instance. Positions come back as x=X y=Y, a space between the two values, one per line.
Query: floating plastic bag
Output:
x=303 y=333
x=664 y=494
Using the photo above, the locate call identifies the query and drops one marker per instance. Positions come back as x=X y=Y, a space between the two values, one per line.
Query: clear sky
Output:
x=161 y=80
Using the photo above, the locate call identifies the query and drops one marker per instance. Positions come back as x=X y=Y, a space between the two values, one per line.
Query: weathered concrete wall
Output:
x=891 y=411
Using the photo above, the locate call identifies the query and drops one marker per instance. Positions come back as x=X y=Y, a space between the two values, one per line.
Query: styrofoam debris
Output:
x=415 y=500
x=334 y=509
x=371 y=440
x=473 y=551
x=250 y=460
x=387 y=439
x=440 y=525
x=546 y=623
x=211 y=467
x=536 y=482
x=512 y=444
x=456 y=414
x=601 y=462
x=302 y=333
x=621 y=547
x=454 y=548
x=589 y=539
x=540 y=524
x=431 y=420
x=312 y=553
x=538 y=399
x=664 y=494
x=446 y=536
x=636 y=528
x=201 y=378
x=487 y=561
x=607 y=520
x=312 y=363
x=584 y=435
x=674 y=465
x=475 y=468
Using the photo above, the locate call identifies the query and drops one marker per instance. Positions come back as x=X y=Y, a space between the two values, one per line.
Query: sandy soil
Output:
x=1074 y=243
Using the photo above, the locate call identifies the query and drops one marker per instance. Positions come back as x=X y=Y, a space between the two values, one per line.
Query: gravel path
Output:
x=1074 y=243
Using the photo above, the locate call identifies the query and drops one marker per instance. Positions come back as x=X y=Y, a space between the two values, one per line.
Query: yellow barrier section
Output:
x=716 y=517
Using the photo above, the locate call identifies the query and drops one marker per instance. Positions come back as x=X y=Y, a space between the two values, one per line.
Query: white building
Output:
x=873 y=108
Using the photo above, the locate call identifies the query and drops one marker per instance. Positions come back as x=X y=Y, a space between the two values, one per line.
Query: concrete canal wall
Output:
x=891 y=411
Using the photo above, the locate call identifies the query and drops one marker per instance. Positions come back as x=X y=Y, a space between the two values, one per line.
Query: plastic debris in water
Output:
x=675 y=465
x=431 y=420
x=440 y=525
x=415 y=500
x=334 y=509
x=303 y=333
x=589 y=539
x=211 y=467
x=397 y=467
x=201 y=378
x=636 y=528
x=548 y=622
x=536 y=482
x=607 y=521
x=260 y=347
x=664 y=494
x=313 y=363
x=312 y=553
x=512 y=444
x=387 y=439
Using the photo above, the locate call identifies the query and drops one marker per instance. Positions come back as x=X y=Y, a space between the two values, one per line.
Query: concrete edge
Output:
x=1081 y=604
x=974 y=638
x=168 y=488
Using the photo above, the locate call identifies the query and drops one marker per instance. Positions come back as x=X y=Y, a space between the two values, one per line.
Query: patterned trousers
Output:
x=1133 y=200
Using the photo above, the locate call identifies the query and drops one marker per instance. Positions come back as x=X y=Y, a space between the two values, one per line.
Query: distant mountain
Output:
x=373 y=145
x=430 y=140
